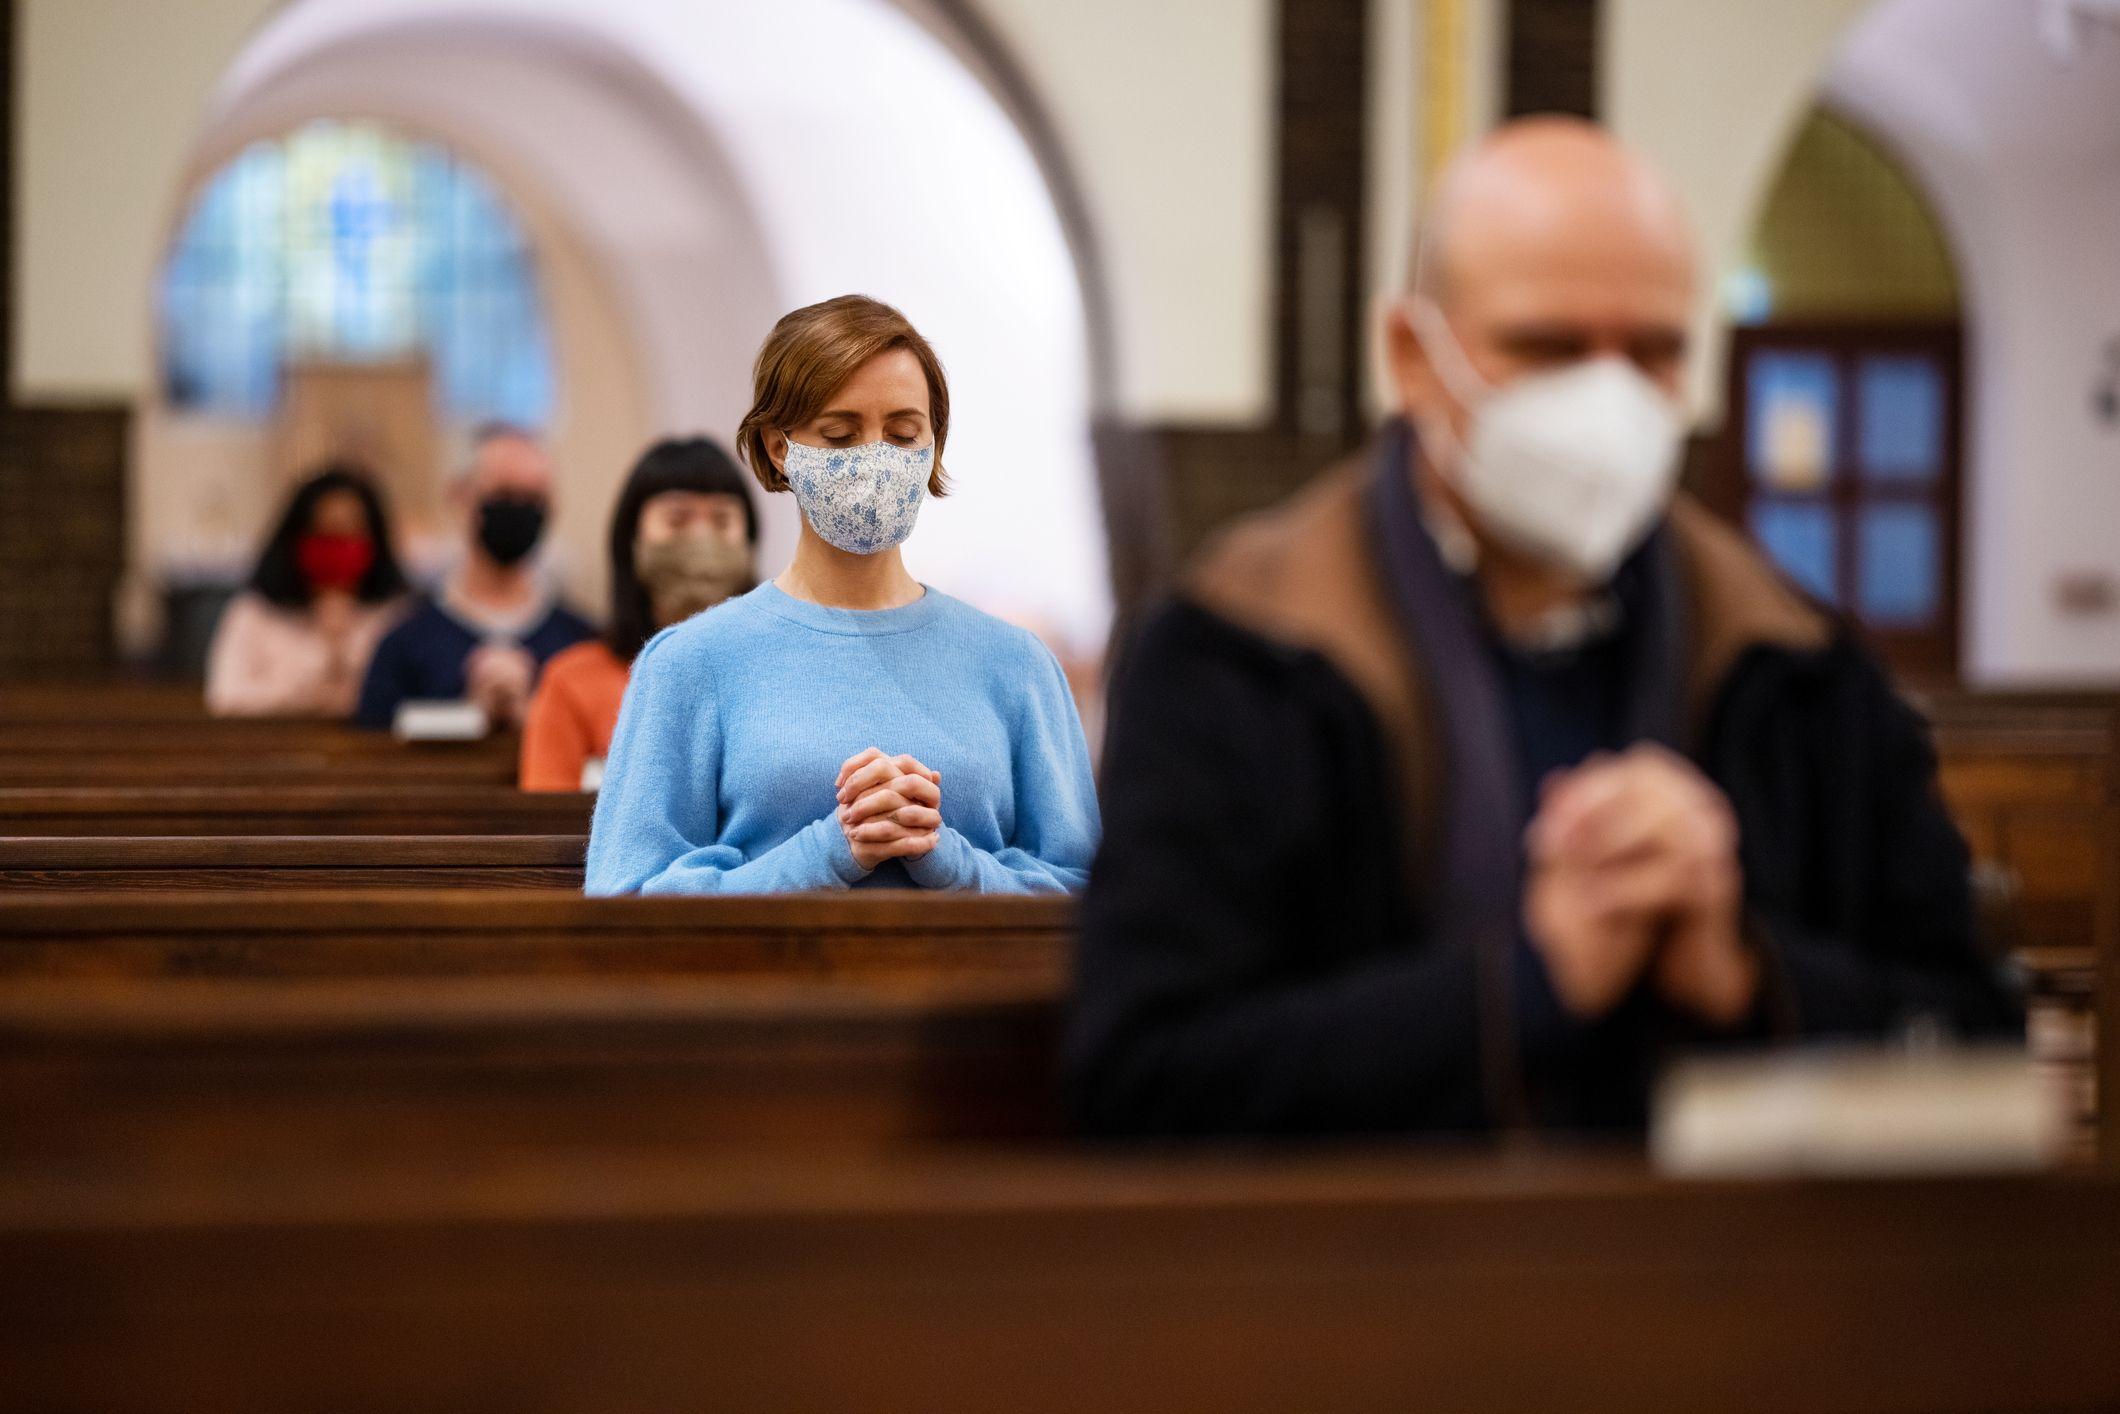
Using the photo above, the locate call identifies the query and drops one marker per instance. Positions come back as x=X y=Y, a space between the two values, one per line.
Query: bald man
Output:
x=1463 y=789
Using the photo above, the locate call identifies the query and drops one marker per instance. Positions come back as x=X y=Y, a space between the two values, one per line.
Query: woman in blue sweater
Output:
x=844 y=726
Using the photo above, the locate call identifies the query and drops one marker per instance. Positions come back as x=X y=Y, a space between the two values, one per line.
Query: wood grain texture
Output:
x=220 y=734
x=267 y=851
x=194 y=1078
x=335 y=809
x=305 y=877
x=188 y=768
x=948 y=1280
x=210 y=864
x=442 y=933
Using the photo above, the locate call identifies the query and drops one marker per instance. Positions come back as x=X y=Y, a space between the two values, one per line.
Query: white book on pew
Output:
x=1847 y=1110
x=428 y=720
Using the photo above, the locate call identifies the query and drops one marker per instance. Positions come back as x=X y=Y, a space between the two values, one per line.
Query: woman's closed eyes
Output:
x=848 y=439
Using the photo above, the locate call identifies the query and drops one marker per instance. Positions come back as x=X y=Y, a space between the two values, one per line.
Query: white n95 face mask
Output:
x=1573 y=466
x=862 y=499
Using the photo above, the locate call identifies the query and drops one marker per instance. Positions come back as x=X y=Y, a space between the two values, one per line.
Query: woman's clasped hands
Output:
x=890 y=807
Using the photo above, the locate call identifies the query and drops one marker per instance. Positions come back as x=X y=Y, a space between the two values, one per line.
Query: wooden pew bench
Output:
x=199 y=1078
x=111 y=696
x=413 y=765
x=220 y=863
x=197 y=1035
x=399 y=934
x=339 y=808
x=208 y=752
x=2026 y=798
x=1037 y=1282
x=2034 y=783
x=89 y=735
x=305 y=935
x=103 y=700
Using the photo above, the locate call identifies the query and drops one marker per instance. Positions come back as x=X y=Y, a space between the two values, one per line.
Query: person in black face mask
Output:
x=509 y=527
x=485 y=637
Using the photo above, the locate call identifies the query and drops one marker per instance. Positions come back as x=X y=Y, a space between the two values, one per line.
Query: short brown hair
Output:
x=810 y=355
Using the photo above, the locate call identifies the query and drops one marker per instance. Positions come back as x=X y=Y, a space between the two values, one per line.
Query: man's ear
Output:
x=1413 y=377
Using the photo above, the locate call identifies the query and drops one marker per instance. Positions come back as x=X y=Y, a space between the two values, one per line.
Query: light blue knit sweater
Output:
x=721 y=773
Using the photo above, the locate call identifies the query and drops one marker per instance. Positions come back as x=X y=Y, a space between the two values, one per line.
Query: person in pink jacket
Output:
x=296 y=641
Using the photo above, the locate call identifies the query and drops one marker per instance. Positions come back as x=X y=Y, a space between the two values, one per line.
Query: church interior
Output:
x=359 y=1049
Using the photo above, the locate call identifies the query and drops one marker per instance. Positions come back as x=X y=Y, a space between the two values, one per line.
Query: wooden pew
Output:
x=198 y=1078
x=135 y=732
x=2104 y=1040
x=138 y=764
x=2033 y=780
x=390 y=933
x=210 y=752
x=103 y=699
x=337 y=808
x=218 y=863
x=411 y=765
x=92 y=735
x=2023 y=792
x=272 y=947
x=405 y=934
x=1029 y=1282
x=200 y=1036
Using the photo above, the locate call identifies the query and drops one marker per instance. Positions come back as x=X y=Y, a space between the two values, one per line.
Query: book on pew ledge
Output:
x=1854 y=1111
x=427 y=720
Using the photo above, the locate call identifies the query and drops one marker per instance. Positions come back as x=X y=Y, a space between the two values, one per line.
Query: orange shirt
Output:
x=571 y=715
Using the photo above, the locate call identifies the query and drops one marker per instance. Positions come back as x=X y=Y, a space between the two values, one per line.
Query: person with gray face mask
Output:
x=684 y=537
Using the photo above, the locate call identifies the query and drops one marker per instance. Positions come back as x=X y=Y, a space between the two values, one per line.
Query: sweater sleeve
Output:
x=556 y=744
x=656 y=828
x=240 y=680
x=1056 y=822
x=390 y=680
x=1200 y=1004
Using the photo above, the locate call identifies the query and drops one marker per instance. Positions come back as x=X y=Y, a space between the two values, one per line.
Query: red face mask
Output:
x=334 y=562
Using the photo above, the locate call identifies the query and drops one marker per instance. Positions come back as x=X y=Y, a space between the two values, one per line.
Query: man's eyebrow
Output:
x=1562 y=332
x=1545 y=333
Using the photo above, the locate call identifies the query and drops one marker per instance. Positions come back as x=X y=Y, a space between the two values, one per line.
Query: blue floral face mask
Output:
x=862 y=499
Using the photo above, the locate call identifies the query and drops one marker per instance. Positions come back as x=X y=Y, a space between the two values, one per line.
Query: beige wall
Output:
x=1714 y=90
x=1165 y=109
x=110 y=94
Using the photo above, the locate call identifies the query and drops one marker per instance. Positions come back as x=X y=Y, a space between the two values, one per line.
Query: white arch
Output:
x=724 y=161
x=2020 y=154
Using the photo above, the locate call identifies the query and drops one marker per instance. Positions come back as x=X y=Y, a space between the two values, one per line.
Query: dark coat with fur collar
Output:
x=1253 y=955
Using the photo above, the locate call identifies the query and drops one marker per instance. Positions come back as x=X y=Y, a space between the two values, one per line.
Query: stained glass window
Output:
x=1901 y=571
x=1805 y=540
x=1876 y=405
x=1795 y=401
x=344 y=241
x=1902 y=417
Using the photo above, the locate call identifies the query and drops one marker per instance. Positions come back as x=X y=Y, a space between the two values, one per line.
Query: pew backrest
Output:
x=197 y=863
